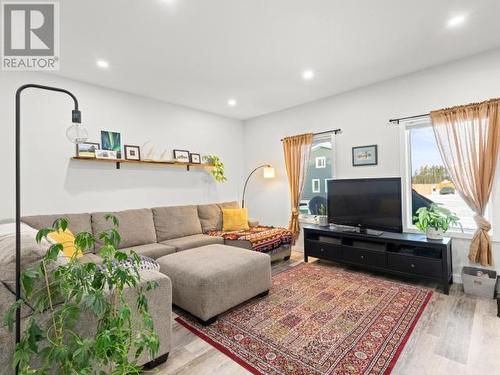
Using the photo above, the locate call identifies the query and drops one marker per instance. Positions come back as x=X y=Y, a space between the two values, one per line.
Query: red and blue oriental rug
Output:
x=317 y=320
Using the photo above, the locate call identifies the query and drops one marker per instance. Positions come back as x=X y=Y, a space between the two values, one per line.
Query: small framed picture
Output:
x=364 y=155
x=110 y=140
x=87 y=149
x=132 y=152
x=195 y=158
x=181 y=156
x=105 y=154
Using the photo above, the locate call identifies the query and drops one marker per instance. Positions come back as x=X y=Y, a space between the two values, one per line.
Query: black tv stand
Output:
x=404 y=254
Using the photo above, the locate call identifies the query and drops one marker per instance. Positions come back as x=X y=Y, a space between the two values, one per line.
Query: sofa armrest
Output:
x=160 y=308
x=253 y=223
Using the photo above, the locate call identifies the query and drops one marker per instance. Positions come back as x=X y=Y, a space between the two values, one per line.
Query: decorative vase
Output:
x=434 y=234
x=323 y=221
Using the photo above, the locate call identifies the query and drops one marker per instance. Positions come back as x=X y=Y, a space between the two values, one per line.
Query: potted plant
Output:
x=435 y=220
x=218 y=167
x=61 y=294
x=322 y=217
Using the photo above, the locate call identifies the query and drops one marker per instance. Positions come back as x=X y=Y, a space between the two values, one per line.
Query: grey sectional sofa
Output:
x=155 y=233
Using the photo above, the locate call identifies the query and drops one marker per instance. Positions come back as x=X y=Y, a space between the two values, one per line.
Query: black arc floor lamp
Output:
x=76 y=133
x=268 y=173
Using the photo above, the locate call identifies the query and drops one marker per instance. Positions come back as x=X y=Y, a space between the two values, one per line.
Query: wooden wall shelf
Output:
x=118 y=162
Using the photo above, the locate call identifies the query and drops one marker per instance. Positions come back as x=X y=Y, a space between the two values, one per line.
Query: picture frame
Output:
x=87 y=149
x=195 y=158
x=181 y=156
x=111 y=141
x=105 y=154
x=132 y=152
x=364 y=155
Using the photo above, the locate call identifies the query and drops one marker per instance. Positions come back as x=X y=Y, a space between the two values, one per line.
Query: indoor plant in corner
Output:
x=435 y=220
x=65 y=295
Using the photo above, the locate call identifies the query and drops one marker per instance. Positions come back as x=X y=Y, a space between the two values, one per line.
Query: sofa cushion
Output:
x=77 y=222
x=152 y=250
x=232 y=204
x=31 y=252
x=136 y=226
x=177 y=221
x=91 y=258
x=210 y=217
x=190 y=242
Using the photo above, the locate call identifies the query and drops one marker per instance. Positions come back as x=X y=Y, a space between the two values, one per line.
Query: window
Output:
x=319 y=170
x=316 y=188
x=427 y=178
x=321 y=162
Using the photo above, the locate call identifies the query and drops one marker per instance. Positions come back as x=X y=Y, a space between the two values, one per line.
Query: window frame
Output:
x=321 y=165
x=406 y=177
x=313 y=180
x=327 y=137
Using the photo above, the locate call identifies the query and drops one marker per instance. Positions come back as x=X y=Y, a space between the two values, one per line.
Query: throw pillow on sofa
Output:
x=67 y=240
x=31 y=251
x=234 y=219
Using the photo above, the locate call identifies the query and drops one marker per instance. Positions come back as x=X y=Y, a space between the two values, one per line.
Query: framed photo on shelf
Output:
x=181 y=156
x=132 y=152
x=105 y=154
x=87 y=149
x=111 y=141
x=195 y=158
x=364 y=155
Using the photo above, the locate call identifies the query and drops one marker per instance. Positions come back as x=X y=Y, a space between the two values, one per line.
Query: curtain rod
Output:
x=395 y=121
x=334 y=131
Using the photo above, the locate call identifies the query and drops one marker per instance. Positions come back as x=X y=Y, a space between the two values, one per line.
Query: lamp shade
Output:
x=269 y=172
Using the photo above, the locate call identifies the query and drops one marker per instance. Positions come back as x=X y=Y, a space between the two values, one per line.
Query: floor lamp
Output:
x=268 y=173
x=76 y=133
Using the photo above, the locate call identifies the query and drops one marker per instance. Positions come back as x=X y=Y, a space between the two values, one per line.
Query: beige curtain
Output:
x=296 y=151
x=468 y=139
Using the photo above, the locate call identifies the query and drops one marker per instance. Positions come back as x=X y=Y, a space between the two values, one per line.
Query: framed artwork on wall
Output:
x=364 y=155
x=110 y=140
x=132 y=152
x=181 y=156
x=195 y=158
x=87 y=149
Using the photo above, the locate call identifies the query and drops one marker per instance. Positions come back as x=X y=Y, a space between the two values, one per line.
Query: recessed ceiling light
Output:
x=103 y=64
x=308 y=75
x=457 y=20
x=231 y=102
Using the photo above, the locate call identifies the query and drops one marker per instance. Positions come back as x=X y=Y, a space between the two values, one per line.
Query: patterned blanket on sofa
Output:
x=263 y=239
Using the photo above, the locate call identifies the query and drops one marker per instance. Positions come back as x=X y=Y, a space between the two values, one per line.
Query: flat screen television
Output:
x=369 y=203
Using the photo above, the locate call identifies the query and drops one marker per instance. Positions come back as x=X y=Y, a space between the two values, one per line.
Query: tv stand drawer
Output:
x=415 y=265
x=323 y=250
x=362 y=256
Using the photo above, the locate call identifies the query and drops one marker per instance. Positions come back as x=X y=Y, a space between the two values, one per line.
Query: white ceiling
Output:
x=200 y=53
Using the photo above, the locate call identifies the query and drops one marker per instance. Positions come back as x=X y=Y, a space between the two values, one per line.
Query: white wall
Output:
x=363 y=116
x=51 y=183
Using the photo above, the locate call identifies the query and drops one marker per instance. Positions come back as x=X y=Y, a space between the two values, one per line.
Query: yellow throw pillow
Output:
x=234 y=219
x=67 y=239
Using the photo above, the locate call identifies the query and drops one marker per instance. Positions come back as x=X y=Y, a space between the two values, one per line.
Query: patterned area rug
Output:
x=317 y=321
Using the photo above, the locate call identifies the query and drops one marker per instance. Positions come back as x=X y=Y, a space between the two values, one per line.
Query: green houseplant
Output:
x=218 y=167
x=62 y=294
x=322 y=217
x=435 y=220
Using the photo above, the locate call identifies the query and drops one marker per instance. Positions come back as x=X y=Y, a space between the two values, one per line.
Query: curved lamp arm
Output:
x=248 y=178
x=76 y=118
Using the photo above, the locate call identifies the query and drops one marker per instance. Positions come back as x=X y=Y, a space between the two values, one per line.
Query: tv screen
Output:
x=371 y=203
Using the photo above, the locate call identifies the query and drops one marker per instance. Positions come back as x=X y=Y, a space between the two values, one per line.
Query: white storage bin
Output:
x=482 y=286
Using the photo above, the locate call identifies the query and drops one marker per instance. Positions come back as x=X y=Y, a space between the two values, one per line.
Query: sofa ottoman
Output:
x=209 y=280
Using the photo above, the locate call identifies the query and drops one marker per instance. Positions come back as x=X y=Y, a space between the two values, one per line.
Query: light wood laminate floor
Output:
x=456 y=334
